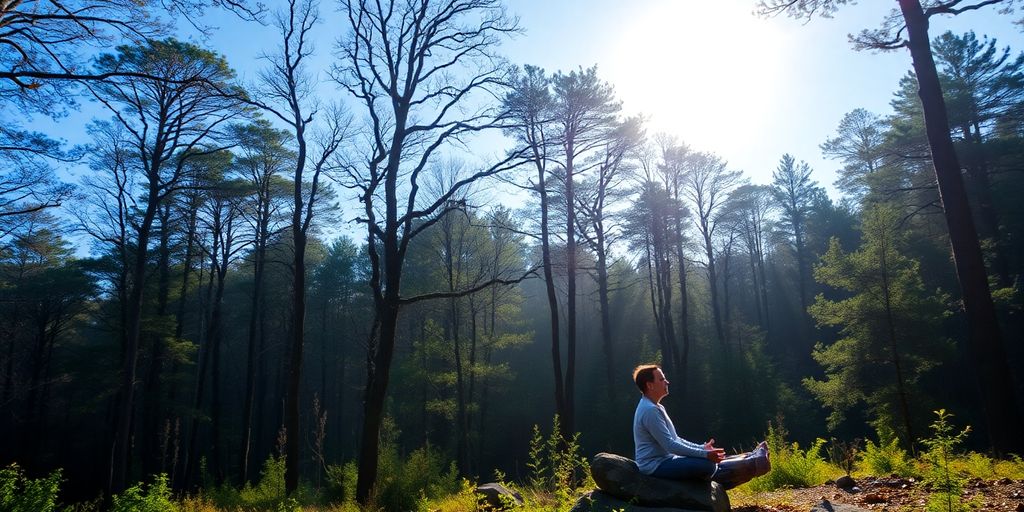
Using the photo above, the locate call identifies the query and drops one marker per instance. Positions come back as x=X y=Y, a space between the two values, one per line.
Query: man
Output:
x=662 y=453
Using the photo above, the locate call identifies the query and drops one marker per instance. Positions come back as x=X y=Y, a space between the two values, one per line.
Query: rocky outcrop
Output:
x=620 y=478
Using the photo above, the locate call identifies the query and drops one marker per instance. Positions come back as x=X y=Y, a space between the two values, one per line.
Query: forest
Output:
x=416 y=266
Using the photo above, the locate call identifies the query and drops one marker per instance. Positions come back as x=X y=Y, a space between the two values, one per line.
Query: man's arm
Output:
x=654 y=421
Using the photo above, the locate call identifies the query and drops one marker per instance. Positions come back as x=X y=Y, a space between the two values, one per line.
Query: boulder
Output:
x=495 y=496
x=846 y=482
x=620 y=477
x=600 y=501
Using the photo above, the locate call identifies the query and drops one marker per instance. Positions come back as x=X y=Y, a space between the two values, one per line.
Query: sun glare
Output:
x=706 y=71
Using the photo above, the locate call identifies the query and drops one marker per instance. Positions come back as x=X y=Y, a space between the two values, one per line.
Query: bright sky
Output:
x=724 y=80
x=709 y=72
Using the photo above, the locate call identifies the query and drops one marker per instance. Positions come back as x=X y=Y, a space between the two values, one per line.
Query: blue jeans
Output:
x=685 y=468
x=729 y=473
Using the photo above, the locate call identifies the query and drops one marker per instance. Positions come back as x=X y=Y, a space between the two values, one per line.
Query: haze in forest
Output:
x=353 y=252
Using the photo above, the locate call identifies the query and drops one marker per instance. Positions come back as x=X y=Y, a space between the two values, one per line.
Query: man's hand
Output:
x=715 y=455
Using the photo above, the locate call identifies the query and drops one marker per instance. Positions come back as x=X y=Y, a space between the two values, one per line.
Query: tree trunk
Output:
x=291 y=421
x=251 y=364
x=549 y=286
x=378 y=373
x=567 y=416
x=606 y=324
x=192 y=457
x=998 y=396
x=151 y=459
x=716 y=311
x=121 y=453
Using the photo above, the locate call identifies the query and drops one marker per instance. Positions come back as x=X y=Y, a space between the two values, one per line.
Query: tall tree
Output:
x=178 y=114
x=584 y=110
x=222 y=245
x=287 y=92
x=649 y=229
x=529 y=105
x=794 y=190
x=598 y=200
x=673 y=177
x=392 y=61
x=986 y=341
x=751 y=206
x=263 y=158
x=708 y=183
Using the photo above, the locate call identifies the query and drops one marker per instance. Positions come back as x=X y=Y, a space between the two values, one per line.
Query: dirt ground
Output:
x=891 y=494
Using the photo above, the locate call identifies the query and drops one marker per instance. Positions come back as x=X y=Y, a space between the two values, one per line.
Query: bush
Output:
x=341 y=482
x=21 y=494
x=886 y=458
x=409 y=485
x=269 y=492
x=156 y=497
x=792 y=466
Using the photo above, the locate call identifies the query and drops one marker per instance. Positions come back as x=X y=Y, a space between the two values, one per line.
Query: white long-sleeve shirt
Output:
x=656 y=439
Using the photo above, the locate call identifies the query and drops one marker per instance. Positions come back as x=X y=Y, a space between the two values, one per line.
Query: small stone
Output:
x=854 y=489
x=1004 y=481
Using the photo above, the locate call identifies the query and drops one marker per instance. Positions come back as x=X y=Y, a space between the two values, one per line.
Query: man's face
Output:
x=658 y=388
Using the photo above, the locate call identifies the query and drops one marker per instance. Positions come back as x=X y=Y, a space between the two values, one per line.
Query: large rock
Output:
x=620 y=477
x=600 y=501
x=495 y=496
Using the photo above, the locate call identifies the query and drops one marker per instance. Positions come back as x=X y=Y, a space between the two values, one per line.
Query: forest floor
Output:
x=891 y=494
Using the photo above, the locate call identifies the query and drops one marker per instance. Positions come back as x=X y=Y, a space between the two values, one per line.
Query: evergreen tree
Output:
x=889 y=326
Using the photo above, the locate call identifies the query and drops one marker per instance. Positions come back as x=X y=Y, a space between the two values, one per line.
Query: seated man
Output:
x=662 y=453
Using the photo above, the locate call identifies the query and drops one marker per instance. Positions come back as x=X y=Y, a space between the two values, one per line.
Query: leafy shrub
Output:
x=409 y=485
x=791 y=465
x=21 y=494
x=886 y=458
x=156 y=497
x=341 y=482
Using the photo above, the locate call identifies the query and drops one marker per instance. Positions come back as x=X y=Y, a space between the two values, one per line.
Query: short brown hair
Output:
x=643 y=374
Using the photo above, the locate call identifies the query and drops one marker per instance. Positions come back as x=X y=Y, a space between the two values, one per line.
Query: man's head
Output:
x=651 y=381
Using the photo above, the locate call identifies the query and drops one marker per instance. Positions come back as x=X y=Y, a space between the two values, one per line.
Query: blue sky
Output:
x=709 y=72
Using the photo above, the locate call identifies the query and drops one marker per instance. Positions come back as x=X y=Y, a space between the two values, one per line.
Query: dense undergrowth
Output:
x=558 y=473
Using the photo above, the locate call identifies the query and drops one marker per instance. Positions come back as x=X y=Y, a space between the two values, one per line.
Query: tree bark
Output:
x=998 y=396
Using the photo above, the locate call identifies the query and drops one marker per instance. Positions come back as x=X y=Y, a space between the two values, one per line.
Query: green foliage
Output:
x=19 y=493
x=886 y=458
x=889 y=327
x=341 y=482
x=791 y=465
x=155 y=497
x=269 y=492
x=556 y=465
x=409 y=484
x=947 y=484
